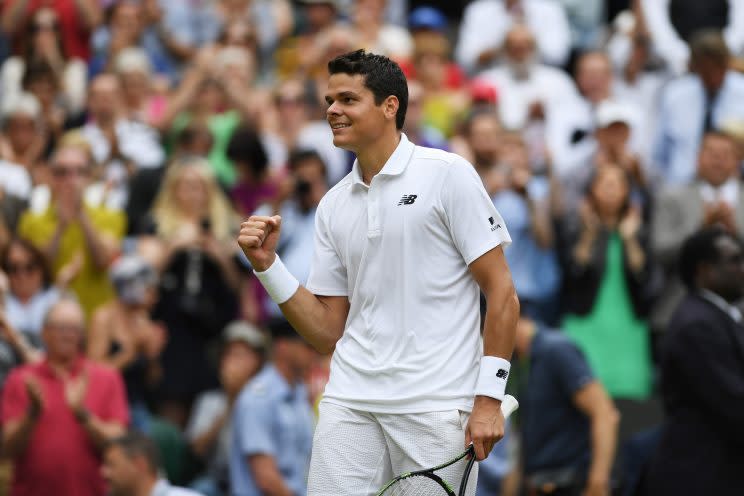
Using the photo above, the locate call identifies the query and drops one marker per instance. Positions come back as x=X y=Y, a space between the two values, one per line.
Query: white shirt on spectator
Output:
x=15 y=179
x=670 y=47
x=399 y=249
x=28 y=317
x=727 y=192
x=544 y=84
x=486 y=22
x=681 y=118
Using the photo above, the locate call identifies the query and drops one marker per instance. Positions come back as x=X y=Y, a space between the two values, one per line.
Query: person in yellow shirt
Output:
x=76 y=236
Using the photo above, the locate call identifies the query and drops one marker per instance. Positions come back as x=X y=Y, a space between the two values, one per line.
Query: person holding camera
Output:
x=298 y=198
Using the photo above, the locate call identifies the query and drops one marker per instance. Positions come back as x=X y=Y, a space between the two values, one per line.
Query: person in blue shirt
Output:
x=568 y=422
x=273 y=422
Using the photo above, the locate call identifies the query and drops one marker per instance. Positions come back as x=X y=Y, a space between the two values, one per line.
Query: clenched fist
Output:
x=258 y=238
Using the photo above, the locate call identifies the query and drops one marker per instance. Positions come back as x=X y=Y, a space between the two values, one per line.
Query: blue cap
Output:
x=427 y=18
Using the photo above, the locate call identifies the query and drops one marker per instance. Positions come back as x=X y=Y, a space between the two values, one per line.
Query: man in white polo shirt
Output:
x=403 y=246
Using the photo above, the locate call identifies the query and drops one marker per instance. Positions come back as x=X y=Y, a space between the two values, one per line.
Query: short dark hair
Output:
x=37 y=257
x=700 y=248
x=382 y=76
x=298 y=156
x=136 y=444
x=245 y=146
x=709 y=44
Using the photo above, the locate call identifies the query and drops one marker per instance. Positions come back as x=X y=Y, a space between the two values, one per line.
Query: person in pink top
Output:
x=58 y=413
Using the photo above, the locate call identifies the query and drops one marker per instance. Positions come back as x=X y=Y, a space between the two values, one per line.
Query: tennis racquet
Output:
x=427 y=483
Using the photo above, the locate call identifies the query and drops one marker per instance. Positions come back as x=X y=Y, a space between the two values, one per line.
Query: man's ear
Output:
x=390 y=106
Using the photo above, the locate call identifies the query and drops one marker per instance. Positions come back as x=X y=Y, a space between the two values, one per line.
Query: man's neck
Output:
x=61 y=364
x=286 y=371
x=373 y=159
x=146 y=487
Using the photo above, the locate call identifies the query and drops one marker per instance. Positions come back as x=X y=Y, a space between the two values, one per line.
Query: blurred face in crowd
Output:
x=320 y=15
x=594 y=77
x=63 y=331
x=21 y=130
x=300 y=356
x=369 y=11
x=415 y=112
x=483 y=138
x=290 y=103
x=613 y=137
x=357 y=122
x=70 y=172
x=711 y=73
x=135 y=85
x=191 y=192
x=520 y=51
x=127 y=21
x=610 y=190
x=725 y=276
x=25 y=272
x=718 y=160
x=240 y=33
x=122 y=473
x=104 y=98
x=45 y=29
x=211 y=97
x=239 y=363
x=44 y=88
x=310 y=180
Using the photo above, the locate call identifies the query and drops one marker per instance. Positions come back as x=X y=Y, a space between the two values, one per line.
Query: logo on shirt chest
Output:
x=407 y=199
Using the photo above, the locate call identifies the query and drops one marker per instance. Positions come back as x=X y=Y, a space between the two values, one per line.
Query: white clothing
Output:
x=74 y=81
x=356 y=453
x=486 y=22
x=544 y=84
x=163 y=488
x=15 y=179
x=670 y=47
x=399 y=249
x=728 y=192
x=29 y=317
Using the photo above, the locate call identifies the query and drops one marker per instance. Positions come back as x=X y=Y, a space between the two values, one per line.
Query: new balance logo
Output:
x=492 y=222
x=407 y=199
x=502 y=374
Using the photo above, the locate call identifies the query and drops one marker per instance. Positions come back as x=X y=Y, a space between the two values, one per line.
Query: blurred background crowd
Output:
x=136 y=134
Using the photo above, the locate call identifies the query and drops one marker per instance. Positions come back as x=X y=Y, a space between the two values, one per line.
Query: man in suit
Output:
x=716 y=198
x=701 y=450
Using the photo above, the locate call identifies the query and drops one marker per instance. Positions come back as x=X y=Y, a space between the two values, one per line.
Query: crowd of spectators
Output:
x=136 y=134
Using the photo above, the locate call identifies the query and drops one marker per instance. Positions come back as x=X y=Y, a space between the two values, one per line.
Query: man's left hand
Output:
x=485 y=426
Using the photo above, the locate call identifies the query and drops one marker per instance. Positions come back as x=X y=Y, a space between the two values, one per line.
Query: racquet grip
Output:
x=508 y=405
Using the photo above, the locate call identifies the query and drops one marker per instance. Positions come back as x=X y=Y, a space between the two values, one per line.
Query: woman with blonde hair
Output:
x=193 y=219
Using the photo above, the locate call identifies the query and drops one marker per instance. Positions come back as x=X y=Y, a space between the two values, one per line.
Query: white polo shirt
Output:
x=399 y=249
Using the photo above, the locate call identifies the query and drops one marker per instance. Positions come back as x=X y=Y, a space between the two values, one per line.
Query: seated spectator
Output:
x=43 y=43
x=607 y=273
x=481 y=135
x=58 y=414
x=694 y=105
x=209 y=429
x=716 y=198
x=486 y=22
x=123 y=336
x=273 y=422
x=199 y=280
x=131 y=467
x=15 y=348
x=119 y=144
x=376 y=34
x=41 y=81
x=70 y=231
x=32 y=291
x=569 y=424
x=700 y=450
x=141 y=99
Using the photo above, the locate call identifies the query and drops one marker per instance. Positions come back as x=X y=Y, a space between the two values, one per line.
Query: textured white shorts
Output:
x=355 y=453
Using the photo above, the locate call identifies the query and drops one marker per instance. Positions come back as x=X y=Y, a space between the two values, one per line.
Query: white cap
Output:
x=23 y=104
x=609 y=112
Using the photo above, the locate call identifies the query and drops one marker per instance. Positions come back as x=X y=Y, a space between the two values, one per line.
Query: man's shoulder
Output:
x=426 y=159
x=101 y=371
x=261 y=389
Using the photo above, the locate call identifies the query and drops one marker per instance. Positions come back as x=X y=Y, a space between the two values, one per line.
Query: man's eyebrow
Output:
x=343 y=94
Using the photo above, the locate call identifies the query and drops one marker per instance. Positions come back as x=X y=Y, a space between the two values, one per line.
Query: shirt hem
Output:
x=408 y=408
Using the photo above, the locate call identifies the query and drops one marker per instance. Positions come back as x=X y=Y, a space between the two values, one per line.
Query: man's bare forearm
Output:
x=604 y=439
x=320 y=320
x=16 y=434
x=502 y=313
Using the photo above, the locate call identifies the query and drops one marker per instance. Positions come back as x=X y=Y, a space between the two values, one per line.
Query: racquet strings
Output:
x=416 y=485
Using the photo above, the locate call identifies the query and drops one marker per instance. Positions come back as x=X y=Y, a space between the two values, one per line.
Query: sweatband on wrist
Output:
x=278 y=281
x=492 y=377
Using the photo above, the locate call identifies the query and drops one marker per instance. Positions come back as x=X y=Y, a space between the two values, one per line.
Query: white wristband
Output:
x=492 y=377
x=278 y=281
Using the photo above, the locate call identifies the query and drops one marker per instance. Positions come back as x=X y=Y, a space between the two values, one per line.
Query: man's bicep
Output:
x=338 y=311
x=491 y=271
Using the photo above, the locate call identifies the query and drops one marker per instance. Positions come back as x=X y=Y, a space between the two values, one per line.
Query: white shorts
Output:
x=355 y=453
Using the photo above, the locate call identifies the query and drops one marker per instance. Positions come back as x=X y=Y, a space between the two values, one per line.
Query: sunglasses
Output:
x=62 y=172
x=26 y=268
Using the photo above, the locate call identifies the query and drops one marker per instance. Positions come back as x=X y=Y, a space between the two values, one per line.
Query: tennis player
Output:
x=403 y=246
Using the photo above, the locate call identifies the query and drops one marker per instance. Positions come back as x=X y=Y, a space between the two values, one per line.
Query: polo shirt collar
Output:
x=395 y=165
x=77 y=367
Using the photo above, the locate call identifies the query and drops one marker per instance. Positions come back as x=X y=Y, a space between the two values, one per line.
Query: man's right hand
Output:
x=258 y=238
